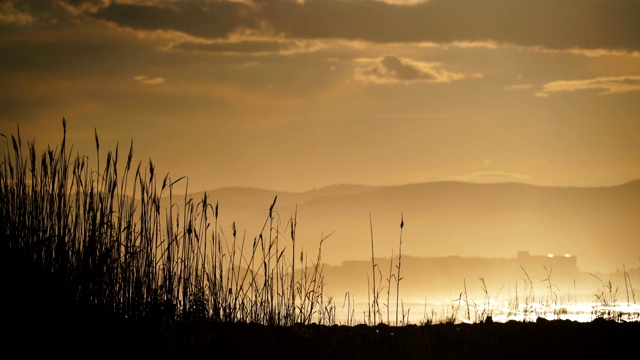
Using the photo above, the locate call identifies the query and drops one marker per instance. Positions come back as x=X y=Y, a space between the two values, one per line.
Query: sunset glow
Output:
x=296 y=95
x=326 y=179
x=355 y=113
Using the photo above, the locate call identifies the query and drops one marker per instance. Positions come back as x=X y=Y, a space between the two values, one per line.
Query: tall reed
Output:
x=374 y=304
x=398 y=277
x=113 y=242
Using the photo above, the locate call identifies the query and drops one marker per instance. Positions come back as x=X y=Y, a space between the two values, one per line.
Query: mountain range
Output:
x=598 y=225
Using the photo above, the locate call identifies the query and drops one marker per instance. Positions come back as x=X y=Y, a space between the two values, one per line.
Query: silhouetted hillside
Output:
x=598 y=225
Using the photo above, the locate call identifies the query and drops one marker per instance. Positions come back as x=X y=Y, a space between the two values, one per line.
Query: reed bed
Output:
x=107 y=242
x=111 y=242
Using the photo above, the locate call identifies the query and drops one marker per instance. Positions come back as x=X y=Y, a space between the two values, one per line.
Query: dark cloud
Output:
x=251 y=47
x=64 y=51
x=546 y=23
x=9 y=14
x=210 y=19
x=33 y=14
x=552 y=24
x=237 y=47
x=402 y=70
x=391 y=69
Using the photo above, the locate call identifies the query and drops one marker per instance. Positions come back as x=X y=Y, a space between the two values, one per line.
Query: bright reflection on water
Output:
x=458 y=312
x=576 y=312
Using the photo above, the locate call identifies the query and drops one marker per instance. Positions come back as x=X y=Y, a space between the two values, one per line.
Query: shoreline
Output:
x=563 y=339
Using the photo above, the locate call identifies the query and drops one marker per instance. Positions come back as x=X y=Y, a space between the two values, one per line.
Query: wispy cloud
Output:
x=10 y=15
x=593 y=53
x=605 y=85
x=519 y=87
x=254 y=46
x=490 y=176
x=149 y=81
x=392 y=69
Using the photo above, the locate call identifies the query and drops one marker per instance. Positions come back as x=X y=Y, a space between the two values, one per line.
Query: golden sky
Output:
x=295 y=95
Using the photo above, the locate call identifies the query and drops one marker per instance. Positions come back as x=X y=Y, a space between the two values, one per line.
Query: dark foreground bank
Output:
x=599 y=339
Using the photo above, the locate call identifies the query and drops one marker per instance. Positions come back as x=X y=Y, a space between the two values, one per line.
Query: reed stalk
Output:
x=398 y=277
x=112 y=241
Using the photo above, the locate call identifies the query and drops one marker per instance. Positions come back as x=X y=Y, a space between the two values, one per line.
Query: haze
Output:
x=292 y=96
x=296 y=95
x=598 y=226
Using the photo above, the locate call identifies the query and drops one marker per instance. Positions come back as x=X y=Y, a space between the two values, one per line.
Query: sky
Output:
x=295 y=95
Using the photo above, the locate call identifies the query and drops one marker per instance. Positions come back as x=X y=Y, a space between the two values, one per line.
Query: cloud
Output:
x=593 y=53
x=550 y=24
x=403 y=2
x=519 y=87
x=201 y=19
x=257 y=46
x=547 y=23
x=392 y=69
x=606 y=85
x=82 y=7
x=10 y=15
x=490 y=176
x=149 y=81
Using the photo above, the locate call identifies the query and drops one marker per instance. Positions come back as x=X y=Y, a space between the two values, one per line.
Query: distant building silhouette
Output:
x=446 y=277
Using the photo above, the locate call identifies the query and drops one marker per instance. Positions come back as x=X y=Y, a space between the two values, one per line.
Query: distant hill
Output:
x=340 y=190
x=599 y=225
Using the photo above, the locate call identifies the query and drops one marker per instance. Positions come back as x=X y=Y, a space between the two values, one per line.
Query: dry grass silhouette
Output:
x=107 y=242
